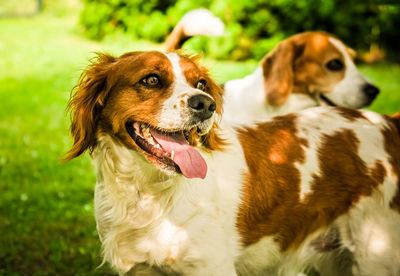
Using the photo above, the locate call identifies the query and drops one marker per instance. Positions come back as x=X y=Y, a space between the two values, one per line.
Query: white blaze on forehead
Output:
x=180 y=80
x=172 y=113
x=175 y=113
x=348 y=92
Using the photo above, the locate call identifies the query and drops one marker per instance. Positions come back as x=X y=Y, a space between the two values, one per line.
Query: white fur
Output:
x=144 y=215
x=245 y=100
x=370 y=231
x=348 y=92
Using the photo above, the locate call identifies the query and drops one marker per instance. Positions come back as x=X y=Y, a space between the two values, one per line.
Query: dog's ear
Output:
x=86 y=102
x=278 y=73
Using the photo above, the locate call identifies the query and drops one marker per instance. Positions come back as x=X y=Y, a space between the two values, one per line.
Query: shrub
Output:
x=252 y=27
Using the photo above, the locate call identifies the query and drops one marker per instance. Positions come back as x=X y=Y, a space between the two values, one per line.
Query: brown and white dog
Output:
x=306 y=70
x=180 y=191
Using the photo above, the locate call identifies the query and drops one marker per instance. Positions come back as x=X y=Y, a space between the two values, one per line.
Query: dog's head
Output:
x=318 y=64
x=163 y=106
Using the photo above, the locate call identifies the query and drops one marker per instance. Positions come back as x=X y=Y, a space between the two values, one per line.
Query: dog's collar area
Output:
x=326 y=100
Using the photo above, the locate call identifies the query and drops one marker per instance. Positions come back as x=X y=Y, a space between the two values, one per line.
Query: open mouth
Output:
x=168 y=150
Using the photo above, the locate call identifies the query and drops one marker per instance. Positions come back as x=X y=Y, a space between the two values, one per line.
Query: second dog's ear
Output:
x=277 y=69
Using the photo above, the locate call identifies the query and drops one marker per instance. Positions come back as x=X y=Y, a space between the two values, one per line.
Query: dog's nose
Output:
x=202 y=105
x=371 y=90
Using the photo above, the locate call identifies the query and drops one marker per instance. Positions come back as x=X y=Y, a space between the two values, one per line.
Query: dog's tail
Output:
x=194 y=22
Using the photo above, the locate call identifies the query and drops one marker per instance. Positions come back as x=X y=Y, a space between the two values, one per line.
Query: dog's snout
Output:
x=203 y=106
x=370 y=90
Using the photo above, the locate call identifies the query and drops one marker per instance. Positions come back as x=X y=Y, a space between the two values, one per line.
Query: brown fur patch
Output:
x=350 y=114
x=271 y=200
x=270 y=186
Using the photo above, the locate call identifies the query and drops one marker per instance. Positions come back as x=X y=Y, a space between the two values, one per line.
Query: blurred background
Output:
x=46 y=206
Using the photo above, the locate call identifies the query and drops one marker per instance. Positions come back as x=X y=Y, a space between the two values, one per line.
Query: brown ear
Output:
x=278 y=73
x=86 y=103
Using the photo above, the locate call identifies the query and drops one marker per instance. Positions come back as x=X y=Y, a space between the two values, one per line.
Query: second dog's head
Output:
x=318 y=64
x=160 y=105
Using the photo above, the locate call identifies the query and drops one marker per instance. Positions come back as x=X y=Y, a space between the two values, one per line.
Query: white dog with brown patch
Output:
x=180 y=195
x=306 y=70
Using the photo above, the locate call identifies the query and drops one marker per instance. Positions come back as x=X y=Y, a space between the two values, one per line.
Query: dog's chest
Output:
x=184 y=224
x=197 y=225
x=197 y=228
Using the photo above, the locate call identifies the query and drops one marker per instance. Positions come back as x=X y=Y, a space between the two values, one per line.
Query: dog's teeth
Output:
x=151 y=140
x=172 y=155
x=146 y=132
x=158 y=146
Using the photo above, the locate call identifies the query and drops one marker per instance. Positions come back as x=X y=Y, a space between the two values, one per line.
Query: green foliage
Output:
x=141 y=18
x=387 y=32
x=252 y=27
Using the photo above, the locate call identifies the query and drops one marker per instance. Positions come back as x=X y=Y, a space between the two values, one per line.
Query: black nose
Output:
x=202 y=106
x=371 y=90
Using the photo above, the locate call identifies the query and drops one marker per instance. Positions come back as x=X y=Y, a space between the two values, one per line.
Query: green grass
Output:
x=387 y=77
x=46 y=207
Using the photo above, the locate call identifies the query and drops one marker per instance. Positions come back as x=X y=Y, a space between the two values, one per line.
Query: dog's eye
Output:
x=151 y=80
x=201 y=84
x=335 y=65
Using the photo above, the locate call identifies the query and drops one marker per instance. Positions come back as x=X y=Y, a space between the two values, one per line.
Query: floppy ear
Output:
x=86 y=103
x=278 y=73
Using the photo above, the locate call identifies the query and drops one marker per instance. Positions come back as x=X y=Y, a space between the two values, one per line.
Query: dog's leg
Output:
x=338 y=262
x=331 y=258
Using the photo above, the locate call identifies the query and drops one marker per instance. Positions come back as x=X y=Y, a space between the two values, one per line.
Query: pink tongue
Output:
x=189 y=160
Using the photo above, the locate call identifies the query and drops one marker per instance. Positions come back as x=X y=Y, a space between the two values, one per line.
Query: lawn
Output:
x=46 y=206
